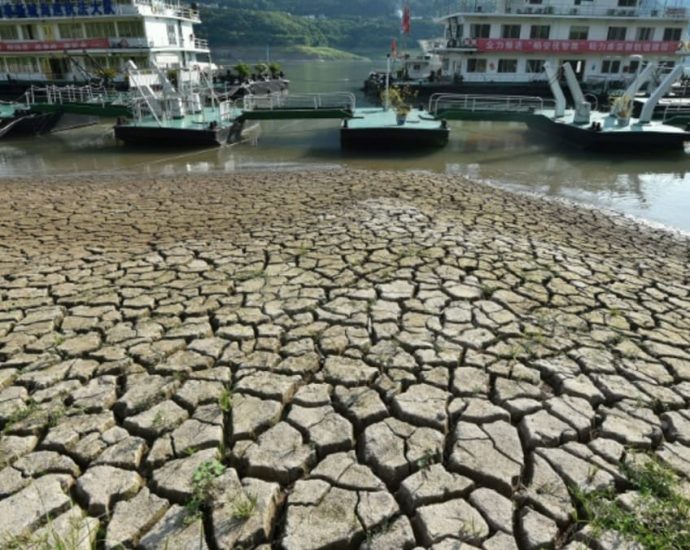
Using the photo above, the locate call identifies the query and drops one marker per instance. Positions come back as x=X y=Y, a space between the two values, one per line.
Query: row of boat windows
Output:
x=576 y=32
x=536 y=66
x=43 y=65
x=122 y=29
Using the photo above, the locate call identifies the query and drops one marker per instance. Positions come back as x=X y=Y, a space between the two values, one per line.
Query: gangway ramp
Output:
x=488 y=107
x=338 y=105
x=81 y=100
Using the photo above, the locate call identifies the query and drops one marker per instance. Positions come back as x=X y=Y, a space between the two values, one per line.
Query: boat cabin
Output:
x=510 y=40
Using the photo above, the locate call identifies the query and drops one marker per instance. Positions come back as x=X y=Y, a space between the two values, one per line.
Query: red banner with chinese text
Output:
x=611 y=47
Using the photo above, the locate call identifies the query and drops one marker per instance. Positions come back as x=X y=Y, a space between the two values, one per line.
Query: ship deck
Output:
x=379 y=128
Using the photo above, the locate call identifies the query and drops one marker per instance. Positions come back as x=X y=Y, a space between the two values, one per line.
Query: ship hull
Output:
x=172 y=137
x=627 y=142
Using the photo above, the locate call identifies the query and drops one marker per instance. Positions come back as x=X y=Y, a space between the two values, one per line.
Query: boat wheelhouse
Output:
x=505 y=43
x=76 y=41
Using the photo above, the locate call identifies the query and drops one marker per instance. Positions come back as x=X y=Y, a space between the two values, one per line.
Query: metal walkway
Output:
x=488 y=107
x=82 y=100
x=337 y=105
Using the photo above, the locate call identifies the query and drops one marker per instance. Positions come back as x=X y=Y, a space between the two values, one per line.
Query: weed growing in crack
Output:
x=202 y=483
x=158 y=421
x=426 y=460
x=658 y=516
x=243 y=507
x=225 y=400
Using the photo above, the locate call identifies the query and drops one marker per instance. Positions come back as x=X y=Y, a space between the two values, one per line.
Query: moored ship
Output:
x=501 y=46
x=77 y=41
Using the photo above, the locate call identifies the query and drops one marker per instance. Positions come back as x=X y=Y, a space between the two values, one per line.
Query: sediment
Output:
x=328 y=360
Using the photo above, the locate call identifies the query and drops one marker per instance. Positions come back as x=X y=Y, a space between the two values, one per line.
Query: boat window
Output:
x=130 y=29
x=480 y=31
x=28 y=32
x=8 y=32
x=645 y=33
x=611 y=66
x=19 y=65
x=507 y=65
x=475 y=65
x=616 y=33
x=510 y=31
x=71 y=30
x=540 y=32
x=627 y=3
x=535 y=65
x=672 y=34
x=99 y=30
x=579 y=32
x=172 y=35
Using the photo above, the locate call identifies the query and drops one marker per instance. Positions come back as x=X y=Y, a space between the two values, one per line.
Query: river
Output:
x=655 y=189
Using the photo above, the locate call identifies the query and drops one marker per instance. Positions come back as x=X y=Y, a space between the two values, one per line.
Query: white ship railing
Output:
x=660 y=9
x=55 y=95
x=672 y=111
x=333 y=100
x=494 y=103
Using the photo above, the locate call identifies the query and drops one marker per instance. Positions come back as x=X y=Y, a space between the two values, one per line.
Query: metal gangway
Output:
x=89 y=100
x=488 y=107
x=278 y=106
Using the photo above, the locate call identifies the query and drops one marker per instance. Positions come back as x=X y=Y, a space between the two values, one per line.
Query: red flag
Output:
x=406 y=19
x=394 y=48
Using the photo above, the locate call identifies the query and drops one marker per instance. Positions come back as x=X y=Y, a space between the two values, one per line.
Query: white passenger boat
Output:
x=76 y=41
x=501 y=46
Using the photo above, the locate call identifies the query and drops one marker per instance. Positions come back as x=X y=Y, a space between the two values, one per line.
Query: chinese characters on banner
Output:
x=612 y=47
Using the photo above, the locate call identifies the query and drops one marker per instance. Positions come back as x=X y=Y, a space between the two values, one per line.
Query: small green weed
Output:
x=225 y=400
x=659 y=518
x=202 y=483
x=244 y=506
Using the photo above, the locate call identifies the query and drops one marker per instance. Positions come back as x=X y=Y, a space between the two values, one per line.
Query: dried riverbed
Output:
x=327 y=360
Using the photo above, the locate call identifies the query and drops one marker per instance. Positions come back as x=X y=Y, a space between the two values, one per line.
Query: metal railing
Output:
x=53 y=95
x=274 y=101
x=659 y=9
x=439 y=103
x=678 y=110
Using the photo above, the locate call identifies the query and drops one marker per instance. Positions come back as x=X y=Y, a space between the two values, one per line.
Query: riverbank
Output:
x=346 y=357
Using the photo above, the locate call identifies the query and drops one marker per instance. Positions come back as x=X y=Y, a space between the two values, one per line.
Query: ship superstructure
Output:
x=500 y=42
x=73 y=42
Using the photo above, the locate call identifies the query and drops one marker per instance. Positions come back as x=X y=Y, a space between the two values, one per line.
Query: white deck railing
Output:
x=659 y=9
x=478 y=103
x=334 y=100
x=71 y=94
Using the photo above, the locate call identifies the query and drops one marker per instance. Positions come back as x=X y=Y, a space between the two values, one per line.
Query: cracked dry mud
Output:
x=379 y=360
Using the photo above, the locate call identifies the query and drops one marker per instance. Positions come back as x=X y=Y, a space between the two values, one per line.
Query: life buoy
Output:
x=492 y=66
x=682 y=46
x=124 y=43
x=195 y=68
x=467 y=42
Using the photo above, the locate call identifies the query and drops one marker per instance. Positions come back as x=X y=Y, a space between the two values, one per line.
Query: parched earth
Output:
x=331 y=360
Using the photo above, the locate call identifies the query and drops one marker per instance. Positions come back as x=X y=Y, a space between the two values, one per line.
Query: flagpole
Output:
x=388 y=75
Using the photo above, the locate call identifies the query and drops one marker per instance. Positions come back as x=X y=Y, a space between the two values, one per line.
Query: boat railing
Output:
x=673 y=111
x=439 y=103
x=649 y=9
x=280 y=100
x=55 y=95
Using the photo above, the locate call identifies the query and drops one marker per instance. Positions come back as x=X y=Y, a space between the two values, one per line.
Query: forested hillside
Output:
x=351 y=25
